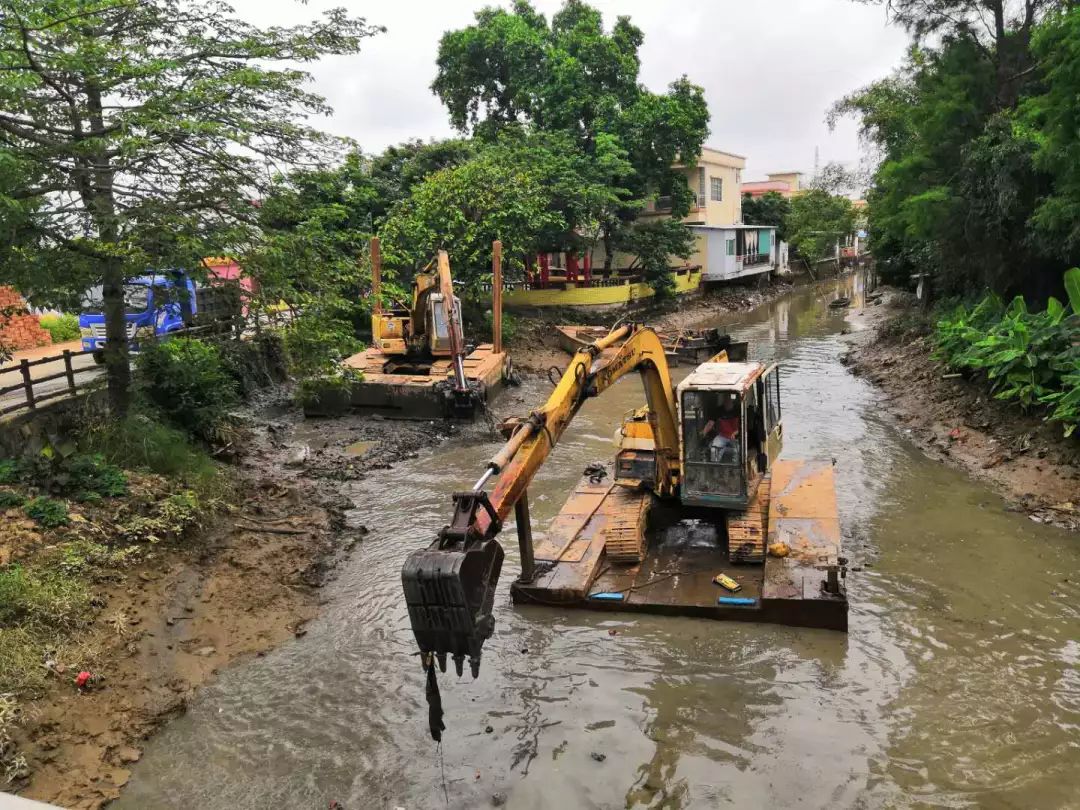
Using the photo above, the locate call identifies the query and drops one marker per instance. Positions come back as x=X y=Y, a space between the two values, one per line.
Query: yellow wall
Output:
x=791 y=178
x=595 y=296
x=723 y=166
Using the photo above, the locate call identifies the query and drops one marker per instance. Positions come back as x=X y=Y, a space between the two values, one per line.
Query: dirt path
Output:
x=249 y=583
x=953 y=420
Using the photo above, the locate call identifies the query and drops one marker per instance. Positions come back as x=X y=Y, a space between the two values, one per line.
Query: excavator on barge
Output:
x=698 y=495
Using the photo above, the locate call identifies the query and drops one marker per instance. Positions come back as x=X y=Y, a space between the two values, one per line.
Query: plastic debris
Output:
x=727 y=583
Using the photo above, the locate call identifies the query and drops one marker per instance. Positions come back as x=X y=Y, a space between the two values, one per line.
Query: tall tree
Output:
x=817 y=221
x=527 y=190
x=771 y=208
x=1001 y=29
x=150 y=125
x=514 y=69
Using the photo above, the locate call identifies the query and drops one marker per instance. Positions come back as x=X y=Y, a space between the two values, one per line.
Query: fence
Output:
x=28 y=381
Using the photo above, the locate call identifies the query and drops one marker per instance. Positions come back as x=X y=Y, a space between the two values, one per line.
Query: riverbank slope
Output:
x=954 y=420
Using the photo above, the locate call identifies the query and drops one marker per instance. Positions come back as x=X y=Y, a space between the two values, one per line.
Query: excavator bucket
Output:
x=450 y=586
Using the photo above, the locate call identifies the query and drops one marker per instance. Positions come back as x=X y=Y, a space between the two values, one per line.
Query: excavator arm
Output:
x=450 y=586
x=453 y=322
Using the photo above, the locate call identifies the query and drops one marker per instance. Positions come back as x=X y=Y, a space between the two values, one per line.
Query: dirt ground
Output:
x=535 y=347
x=249 y=583
x=1024 y=458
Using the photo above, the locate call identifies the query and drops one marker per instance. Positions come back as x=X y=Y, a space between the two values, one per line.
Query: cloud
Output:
x=770 y=68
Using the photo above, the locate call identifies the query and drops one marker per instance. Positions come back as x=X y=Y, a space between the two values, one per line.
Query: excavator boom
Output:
x=450 y=586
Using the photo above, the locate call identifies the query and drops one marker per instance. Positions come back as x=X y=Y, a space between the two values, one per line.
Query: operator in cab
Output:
x=721 y=433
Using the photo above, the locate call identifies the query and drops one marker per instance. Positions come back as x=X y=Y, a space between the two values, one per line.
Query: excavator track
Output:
x=747 y=531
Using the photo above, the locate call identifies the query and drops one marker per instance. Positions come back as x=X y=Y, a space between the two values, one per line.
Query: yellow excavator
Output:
x=430 y=329
x=697 y=495
x=418 y=366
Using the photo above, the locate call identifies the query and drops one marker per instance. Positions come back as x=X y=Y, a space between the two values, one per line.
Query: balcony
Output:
x=751 y=259
x=662 y=205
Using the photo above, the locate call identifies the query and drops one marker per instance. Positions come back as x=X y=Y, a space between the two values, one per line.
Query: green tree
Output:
x=771 y=208
x=314 y=227
x=149 y=126
x=525 y=190
x=513 y=70
x=817 y=220
x=1051 y=120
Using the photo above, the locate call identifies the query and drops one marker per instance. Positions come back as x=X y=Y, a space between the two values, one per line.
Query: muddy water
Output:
x=958 y=684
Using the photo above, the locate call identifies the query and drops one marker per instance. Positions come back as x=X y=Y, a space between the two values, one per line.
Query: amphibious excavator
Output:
x=697 y=496
x=418 y=365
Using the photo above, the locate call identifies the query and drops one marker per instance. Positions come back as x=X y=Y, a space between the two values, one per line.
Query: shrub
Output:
x=185 y=379
x=10 y=500
x=48 y=512
x=173 y=518
x=90 y=477
x=62 y=327
x=1032 y=359
x=314 y=344
x=10 y=470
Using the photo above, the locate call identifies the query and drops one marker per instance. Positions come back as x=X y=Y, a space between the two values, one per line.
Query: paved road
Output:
x=45 y=370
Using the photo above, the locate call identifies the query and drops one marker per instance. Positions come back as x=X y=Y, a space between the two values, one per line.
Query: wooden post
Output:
x=28 y=383
x=524 y=533
x=496 y=296
x=69 y=370
x=376 y=276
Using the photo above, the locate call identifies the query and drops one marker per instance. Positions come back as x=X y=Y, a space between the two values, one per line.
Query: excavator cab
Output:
x=437 y=327
x=731 y=432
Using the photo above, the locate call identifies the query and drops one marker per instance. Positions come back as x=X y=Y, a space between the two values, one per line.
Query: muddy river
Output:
x=958 y=684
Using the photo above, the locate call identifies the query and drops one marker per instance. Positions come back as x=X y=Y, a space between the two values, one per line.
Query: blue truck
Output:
x=158 y=304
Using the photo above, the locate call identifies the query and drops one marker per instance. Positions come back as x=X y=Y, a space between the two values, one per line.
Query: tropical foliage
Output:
x=1031 y=358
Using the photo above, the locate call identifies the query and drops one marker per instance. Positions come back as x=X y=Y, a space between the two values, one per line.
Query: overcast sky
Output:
x=770 y=68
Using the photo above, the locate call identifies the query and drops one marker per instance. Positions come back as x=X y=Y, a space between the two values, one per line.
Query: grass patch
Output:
x=140 y=442
x=10 y=499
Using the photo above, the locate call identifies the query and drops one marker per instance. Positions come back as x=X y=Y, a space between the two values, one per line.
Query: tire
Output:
x=99 y=358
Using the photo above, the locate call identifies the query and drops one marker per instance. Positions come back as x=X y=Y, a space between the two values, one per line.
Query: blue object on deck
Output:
x=740 y=601
x=607 y=596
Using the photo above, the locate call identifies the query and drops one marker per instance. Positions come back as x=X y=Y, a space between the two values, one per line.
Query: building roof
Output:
x=722 y=152
x=722 y=377
x=761 y=186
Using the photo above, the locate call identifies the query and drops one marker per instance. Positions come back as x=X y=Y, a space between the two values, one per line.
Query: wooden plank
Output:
x=570 y=523
x=803 y=514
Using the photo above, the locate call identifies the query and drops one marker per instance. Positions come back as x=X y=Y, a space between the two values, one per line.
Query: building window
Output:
x=701 y=185
x=730 y=247
x=716 y=188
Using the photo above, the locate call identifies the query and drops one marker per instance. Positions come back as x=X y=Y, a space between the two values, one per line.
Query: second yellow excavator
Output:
x=682 y=525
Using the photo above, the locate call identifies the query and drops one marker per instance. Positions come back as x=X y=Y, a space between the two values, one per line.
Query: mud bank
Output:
x=246 y=584
x=535 y=346
x=954 y=420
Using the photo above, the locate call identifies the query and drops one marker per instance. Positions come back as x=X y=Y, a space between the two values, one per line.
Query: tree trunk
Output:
x=609 y=250
x=103 y=211
x=117 y=364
